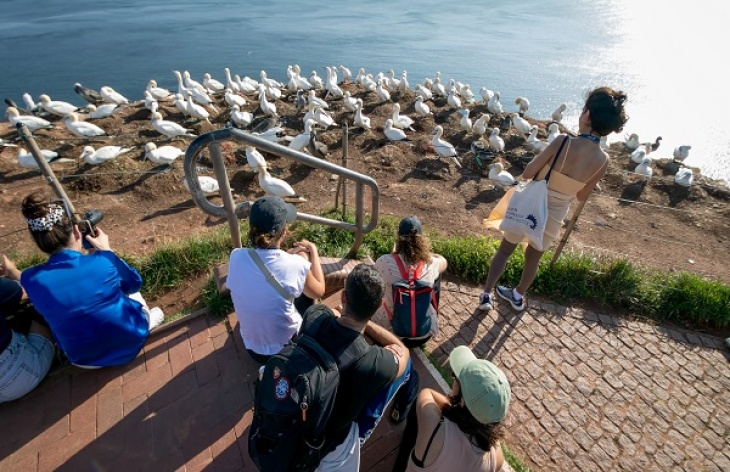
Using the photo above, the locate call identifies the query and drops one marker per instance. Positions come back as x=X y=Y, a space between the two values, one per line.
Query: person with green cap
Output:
x=461 y=431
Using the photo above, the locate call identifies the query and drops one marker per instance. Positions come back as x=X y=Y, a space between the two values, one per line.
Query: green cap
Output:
x=484 y=387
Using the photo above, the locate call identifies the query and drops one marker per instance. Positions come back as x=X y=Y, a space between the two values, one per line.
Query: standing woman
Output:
x=90 y=301
x=579 y=163
x=271 y=288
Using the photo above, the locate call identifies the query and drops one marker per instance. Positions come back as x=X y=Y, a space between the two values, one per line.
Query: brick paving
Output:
x=590 y=392
x=594 y=392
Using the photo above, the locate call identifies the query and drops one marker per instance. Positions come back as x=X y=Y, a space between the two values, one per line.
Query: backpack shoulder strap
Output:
x=346 y=356
x=402 y=268
x=269 y=276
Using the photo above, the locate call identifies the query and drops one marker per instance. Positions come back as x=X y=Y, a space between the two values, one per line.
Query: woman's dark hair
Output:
x=263 y=240
x=37 y=206
x=414 y=248
x=483 y=436
x=606 y=106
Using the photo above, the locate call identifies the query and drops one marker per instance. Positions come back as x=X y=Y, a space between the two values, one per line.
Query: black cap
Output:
x=271 y=214
x=409 y=225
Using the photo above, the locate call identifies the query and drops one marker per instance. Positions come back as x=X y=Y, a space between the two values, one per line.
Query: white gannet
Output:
x=211 y=84
x=195 y=110
x=424 y=92
x=181 y=104
x=162 y=154
x=632 y=142
x=442 y=147
x=230 y=83
x=346 y=74
x=361 y=121
x=360 y=76
x=319 y=116
x=168 y=128
x=198 y=96
x=401 y=121
x=82 y=129
x=496 y=143
x=90 y=95
x=233 y=99
x=27 y=161
x=299 y=101
x=486 y=94
x=494 y=106
x=557 y=115
x=208 y=185
x=683 y=177
x=316 y=148
x=193 y=84
x=268 y=81
x=480 y=125
x=315 y=81
x=112 y=96
x=255 y=159
x=465 y=122
x=501 y=176
x=241 y=118
x=369 y=83
x=393 y=134
x=637 y=157
x=302 y=139
x=56 y=107
x=681 y=152
x=383 y=95
x=274 y=186
x=105 y=153
x=466 y=94
x=246 y=86
x=421 y=107
x=312 y=98
x=102 y=111
x=349 y=102
x=149 y=102
x=522 y=105
x=271 y=134
x=520 y=124
x=553 y=132
x=404 y=85
x=438 y=88
x=536 y=144
x=272 y=93
x=292 y=85
x=31 y=106
x=391 y=82
x=158 y=93
x=33 y=123
x=643 y=171
x=453 y=100
x=267 y=108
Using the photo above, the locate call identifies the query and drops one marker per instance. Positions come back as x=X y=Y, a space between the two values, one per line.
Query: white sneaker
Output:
x=156 y=317
x=486 y=302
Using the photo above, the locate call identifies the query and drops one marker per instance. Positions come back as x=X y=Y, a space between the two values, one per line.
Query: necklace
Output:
x=595 y=139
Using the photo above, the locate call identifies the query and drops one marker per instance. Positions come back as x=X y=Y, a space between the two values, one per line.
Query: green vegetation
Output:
x=683 y=298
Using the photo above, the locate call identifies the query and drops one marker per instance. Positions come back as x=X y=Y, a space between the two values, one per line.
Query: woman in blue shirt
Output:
x=91 y=301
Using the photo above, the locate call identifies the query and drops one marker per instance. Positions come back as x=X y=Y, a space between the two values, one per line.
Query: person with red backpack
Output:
x=412 y=279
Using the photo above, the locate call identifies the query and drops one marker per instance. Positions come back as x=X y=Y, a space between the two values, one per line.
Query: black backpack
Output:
x=411 y=301
x=294 y=397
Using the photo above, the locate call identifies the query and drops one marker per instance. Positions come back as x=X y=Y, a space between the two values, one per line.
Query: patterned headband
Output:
x=55 y=215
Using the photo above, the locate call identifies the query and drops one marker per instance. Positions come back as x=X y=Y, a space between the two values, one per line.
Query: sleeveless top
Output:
x=560 y=182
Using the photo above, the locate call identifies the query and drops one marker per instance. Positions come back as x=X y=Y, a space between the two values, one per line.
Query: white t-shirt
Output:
x=268 y=321
x=388 y=269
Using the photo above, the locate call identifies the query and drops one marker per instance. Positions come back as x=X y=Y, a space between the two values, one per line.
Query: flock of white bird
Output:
x=199 y=101
x=640 y=155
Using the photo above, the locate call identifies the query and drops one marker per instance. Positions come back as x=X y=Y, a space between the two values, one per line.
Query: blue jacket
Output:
x=84 y=300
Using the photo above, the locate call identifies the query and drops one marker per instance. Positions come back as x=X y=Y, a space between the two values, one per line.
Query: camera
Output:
x=88 y=225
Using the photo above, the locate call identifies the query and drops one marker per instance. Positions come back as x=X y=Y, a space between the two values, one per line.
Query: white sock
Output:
x=516 y=295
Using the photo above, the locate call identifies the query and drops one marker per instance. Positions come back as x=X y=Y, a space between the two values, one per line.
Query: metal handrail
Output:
x=232 y=210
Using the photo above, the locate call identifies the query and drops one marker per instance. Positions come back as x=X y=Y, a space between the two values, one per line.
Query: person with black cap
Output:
x=461 y=431
x=271 y=287
x=412 y=247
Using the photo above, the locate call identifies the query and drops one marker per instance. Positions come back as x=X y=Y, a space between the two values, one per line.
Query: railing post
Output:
x=345 y=144
x=359 y=203
x=225 y=190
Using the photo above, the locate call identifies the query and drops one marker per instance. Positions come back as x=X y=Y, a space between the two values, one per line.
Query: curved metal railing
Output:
x=233 y=211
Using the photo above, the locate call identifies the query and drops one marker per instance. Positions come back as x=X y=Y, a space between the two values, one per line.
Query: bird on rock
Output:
x=90 y=95
x=56 y=107
x=316 y=148
x=557 y=115
x=534 y=142
x=158 y=93
x=211 y=84
x=150 y=102
x=255 y=159
x=106 y=153
x=383 y=95
x=681 y=152
x=233 y=99
x=553 y=132
x=393 y=134
x=480 y=125
x=102 y=111
x=465 y=122
x=442 y=147
x=302 y=139
x=520 y=124
x=496 y=143
x=163 y=154
x=684 y=177
x=195 y=110
x=632 y=142
x=501 y=176
x=421 y=107
x=655 y=145
x=401 y=121
x=240 y=118
x=349 y=102
x=82 y=129
x=33 y=123
x=486 y=94
x=423 y=92
x=273 y=186
x=361 y=121
x=643 y=172
x=453 y=100
x=208 y=185
x=638 y=155
x=169 y=128
x=494 y=106
x=27 y=161
x=267 y=108
x=346 y=74
x=112 y=96
x=522 y=105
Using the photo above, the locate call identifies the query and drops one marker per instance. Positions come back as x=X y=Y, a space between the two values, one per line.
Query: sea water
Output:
x=665 y=55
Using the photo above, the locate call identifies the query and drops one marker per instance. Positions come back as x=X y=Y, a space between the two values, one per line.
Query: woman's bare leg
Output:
x=529 y=272
x=499 y=262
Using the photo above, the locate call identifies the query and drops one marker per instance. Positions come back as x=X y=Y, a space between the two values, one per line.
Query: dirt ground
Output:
x=659 y=225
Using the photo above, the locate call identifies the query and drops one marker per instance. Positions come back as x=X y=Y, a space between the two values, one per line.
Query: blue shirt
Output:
x=84 y=300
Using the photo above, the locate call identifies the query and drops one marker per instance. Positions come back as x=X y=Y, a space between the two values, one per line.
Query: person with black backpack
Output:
x=412 y=275
x=320 y=398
